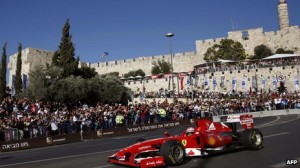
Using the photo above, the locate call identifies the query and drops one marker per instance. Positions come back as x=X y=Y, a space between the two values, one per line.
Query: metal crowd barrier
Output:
x=10 y=134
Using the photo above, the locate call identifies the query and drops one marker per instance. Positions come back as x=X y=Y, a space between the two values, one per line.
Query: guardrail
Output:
x=263 y=113
x=14 y=145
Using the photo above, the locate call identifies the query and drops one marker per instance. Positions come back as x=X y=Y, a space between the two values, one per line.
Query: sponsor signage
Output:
x=152 y=127
x=16 y=145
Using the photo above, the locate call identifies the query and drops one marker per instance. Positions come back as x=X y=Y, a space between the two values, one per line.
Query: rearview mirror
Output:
x=167 y=134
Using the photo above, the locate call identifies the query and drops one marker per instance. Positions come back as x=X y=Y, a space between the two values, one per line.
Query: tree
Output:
x=69 y=90
x=113 y=90
x=283 y=51
x=38 y=83
x=227 y=49
x=138 y=72
x=3 y=73
x=116 y=74
x=18 y=82
x=161 y=66
x=211 y=54
x=261 y=52
x=64 y=56
x=86 y=72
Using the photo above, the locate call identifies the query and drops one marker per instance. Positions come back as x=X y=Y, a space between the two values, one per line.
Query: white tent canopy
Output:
x=276 y=56
x=225 y=61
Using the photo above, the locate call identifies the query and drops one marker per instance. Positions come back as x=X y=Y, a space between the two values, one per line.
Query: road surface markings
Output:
x=58 y=158
x=125 y=137
x=104 y=166
x=282 y=133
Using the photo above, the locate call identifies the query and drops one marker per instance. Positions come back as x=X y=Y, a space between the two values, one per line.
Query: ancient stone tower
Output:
x=283 y=14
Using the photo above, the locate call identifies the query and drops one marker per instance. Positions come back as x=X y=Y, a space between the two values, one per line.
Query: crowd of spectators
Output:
x=40 y=119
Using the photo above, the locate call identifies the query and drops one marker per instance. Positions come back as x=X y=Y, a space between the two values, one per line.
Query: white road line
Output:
x=262 y=125
x=99 y=144
x=58 y=158
x=103 y=166
x=282 y=133
x=283 y=122
x=124 y=137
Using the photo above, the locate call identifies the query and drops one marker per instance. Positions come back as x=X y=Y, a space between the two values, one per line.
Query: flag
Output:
x=222 y=81
x=263 y=83
x=274 y=82
x=243 y=84
x=188 y=82
x=214 y=82
x=104 y=55
x=142 y=97
x=205 y=83
x=25 y=81
x=169 y=86
x=181 y=82
x=13 y=91
x=196 y=81
x=296 y=83
x=233 y=83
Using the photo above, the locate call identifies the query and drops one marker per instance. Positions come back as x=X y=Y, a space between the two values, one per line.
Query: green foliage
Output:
x=161 y=66
x=46 y=83
x=261 y=52
x=64 y=56
x=69 y=90
x=3 y=73
x=227 y=49
x=116 y=74
x=18 y=82
x=138 y=72
x=283 y=51
x=86 y=72
x=211 y=54
x=37 y=89
x=113 y=90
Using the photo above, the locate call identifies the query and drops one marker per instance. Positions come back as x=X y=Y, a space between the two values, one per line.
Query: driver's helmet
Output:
x=189 y=131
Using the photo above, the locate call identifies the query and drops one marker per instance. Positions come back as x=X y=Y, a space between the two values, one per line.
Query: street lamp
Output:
x=170 y=35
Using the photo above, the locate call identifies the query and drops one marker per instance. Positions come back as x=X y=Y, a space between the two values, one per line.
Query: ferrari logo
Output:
x=184 y=142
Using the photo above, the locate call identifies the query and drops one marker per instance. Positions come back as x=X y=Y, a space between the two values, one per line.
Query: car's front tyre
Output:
x=173 y=152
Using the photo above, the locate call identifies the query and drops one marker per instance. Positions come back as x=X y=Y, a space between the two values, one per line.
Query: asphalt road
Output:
x=281 y=141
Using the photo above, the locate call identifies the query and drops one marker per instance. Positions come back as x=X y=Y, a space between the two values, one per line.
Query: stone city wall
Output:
x=182 y=62
x=286 y=39
x=30 y=58
x=289 y=72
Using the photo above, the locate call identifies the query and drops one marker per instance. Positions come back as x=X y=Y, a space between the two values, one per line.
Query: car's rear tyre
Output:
x=173 y=153
x=252 y=139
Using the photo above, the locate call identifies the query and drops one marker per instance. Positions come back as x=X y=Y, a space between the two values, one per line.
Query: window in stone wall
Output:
x=245 y=35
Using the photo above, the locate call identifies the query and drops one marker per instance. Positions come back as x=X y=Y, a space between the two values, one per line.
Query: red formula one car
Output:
x=204 y=138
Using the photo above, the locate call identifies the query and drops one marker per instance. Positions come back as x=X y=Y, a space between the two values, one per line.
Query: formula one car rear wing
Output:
x=246 y=120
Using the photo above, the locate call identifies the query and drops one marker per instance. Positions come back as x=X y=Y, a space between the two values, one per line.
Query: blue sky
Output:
x=131 y=28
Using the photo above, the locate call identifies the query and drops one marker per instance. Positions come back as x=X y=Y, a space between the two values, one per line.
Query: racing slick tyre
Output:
x=173 y=152
x=252 y=139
